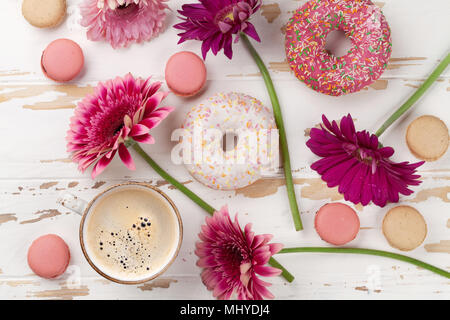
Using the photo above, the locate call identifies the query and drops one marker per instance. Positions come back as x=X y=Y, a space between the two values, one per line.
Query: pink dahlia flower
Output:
x=232 y=259
x=122 y=22
x=214 y=22
x=354 y=161
x=105 y=121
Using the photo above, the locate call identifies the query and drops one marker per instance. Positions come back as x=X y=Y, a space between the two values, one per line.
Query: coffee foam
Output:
x=131 y=233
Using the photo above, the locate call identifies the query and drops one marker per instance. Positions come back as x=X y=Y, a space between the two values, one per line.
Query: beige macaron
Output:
x=44 y=13
x=404 y=228
x=427 y=138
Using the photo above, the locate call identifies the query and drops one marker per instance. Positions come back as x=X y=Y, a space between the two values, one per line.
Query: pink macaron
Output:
x=48 y=256
x=337 y=223
x=62 y=60
x=185 y=74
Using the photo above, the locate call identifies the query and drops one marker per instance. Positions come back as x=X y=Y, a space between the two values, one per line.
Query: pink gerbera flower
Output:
x=232 y=259
x=122 y=22
x=105 y=121
x=354 y=161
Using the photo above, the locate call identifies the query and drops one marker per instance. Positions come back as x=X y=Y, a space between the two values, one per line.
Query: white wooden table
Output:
x=34 y=165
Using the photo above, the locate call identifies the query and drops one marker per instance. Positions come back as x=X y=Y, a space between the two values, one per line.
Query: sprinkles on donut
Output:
x=255 y=152
x=363 y=23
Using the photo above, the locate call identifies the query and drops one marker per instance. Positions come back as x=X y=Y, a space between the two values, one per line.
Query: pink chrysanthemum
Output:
x=354 y=161
x=214 y=22
x=105 y=121
x=113 y=4
x=122 y=22
x=232 y=259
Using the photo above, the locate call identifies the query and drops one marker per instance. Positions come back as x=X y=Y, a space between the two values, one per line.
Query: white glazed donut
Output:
x=256 y=150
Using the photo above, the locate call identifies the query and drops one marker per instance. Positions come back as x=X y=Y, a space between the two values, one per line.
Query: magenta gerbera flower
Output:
x=105 y=121
x=232 y=259
x=214 y=22
x=354 y=161
x=122 y=22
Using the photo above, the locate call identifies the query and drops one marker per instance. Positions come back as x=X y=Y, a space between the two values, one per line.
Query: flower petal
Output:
x=267 y=271
x=157 y=116
x=153 y=102
x=146 y=138
x=101 y=165
x=251 y=32
x=126 y=158
x=138 y=130
x=224 y=27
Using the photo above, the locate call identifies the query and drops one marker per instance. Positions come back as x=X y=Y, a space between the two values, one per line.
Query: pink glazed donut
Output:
x=363 y=23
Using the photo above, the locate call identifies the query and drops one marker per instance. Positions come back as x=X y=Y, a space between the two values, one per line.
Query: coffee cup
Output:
x=130 y=233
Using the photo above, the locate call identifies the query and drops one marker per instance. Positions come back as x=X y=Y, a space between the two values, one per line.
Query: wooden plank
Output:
x=36 y=212
x=416 y=46
x=302 y=106
x=35 y=169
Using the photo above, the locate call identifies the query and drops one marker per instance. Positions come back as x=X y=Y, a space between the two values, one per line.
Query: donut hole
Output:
x=337 y=43
x=229 y=141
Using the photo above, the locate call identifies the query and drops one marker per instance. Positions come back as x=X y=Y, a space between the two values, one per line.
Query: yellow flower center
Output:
x=224 y=14
x=229 y=16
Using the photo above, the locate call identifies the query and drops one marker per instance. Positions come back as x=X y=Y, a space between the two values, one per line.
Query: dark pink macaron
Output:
x=337 y=223
x=48 y=256
x=62 y=60
x=185 y=73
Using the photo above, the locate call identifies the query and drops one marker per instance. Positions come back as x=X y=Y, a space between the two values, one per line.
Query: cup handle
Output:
x=72 y=202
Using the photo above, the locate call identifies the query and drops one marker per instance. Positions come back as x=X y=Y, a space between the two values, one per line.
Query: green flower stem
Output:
x=288 y=276
x=280 y=124
x=419 y=92
x=284 y=273
x=173 y=181
x=372 y=252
